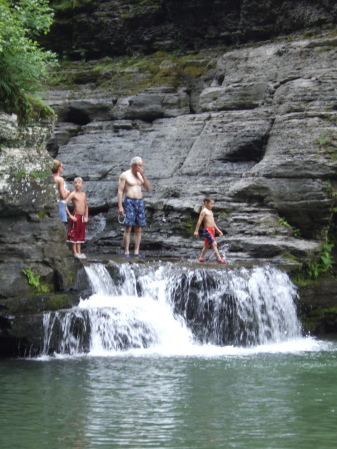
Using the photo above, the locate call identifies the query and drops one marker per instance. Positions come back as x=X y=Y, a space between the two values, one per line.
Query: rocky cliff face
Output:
x=98 y=28
x=254 y=127
x=34 y=258
x=256 y=130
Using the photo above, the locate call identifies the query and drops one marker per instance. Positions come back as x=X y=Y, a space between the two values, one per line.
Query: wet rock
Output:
x=110 y=28
x=317 y=306
x=152 y=105
x=33 y=252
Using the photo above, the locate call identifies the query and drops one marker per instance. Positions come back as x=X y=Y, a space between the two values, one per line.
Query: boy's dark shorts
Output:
x=76 y=230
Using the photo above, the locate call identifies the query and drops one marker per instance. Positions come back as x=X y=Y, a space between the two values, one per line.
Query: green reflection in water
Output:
x=259 y=401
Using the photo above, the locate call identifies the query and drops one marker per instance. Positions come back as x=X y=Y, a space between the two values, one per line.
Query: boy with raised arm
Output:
x=206 y=217
x=78 y=219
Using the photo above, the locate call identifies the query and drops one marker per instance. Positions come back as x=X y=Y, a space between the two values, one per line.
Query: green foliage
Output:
x=23 y=64
x=59 y=301
x=324 y=263
x=37 y=175
x=45 y=289
x=63 y=5
x=297 y=233
x=188 y=224
x=323 y=139
x=332 y=235
x=42 y=175
x=33 y=279
x=328 y=142
x=284 y=222
x=35 y=109
x=20 y=174
x=146 y=2
x=131 y=74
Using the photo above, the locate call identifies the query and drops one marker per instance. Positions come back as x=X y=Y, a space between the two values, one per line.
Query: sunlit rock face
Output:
x=256 y=132
x=31 y=235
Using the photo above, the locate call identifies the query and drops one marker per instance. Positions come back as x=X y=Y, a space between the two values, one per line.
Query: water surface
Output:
x=277 y=396
x=127 y=371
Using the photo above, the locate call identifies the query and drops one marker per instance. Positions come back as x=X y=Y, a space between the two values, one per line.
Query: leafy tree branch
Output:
x=23 y=64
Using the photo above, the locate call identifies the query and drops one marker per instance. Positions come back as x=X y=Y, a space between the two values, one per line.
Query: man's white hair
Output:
x=136 y=160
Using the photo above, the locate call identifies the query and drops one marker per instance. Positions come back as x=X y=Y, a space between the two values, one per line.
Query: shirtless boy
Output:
x=206 y=217
x=78 y=219
x=130 y=183
x=61 y=187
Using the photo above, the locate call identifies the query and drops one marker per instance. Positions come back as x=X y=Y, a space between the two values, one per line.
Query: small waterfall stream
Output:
x=174 y=309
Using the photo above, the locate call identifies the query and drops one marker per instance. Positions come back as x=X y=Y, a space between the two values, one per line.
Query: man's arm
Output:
x=121 y=187
x=146 y=182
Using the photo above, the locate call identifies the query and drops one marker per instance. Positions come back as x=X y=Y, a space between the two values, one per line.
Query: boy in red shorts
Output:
x=78 y=219
x=206 y=216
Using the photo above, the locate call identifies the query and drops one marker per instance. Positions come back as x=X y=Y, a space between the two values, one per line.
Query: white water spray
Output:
x=176 y=310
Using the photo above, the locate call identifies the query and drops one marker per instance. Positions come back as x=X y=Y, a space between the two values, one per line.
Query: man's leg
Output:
x=126 y=239
x=137 y=238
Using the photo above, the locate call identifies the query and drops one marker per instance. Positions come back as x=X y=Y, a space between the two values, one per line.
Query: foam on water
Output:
x=156 y=318
x=174 y=339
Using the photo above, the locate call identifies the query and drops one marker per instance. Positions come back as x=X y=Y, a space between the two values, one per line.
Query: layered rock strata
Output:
x=95 y=29
x=257 y=132
x=34 y=258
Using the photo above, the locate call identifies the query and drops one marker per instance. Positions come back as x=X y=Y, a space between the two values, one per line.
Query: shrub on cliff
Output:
x=23 y=64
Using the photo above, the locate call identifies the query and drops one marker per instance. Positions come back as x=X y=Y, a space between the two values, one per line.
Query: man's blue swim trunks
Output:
x=134 y=212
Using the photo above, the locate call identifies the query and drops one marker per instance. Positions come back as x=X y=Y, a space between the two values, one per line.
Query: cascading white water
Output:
x=175 y=309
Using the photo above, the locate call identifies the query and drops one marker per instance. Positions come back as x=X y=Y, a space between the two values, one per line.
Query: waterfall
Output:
x=173 y=308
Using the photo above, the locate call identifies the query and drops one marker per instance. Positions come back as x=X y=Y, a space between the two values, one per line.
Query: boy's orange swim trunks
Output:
x=209 y=234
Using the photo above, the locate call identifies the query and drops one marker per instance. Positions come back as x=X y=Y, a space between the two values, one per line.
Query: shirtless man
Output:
x=206 y=217
x=78 y=219
x=130 y=183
